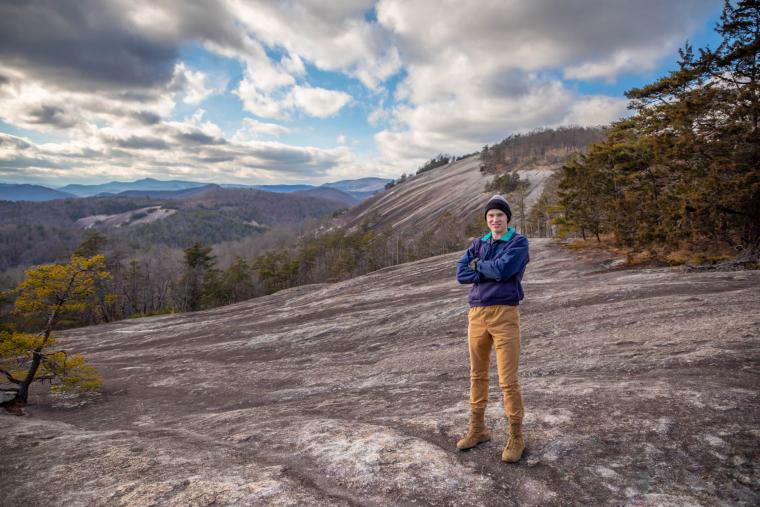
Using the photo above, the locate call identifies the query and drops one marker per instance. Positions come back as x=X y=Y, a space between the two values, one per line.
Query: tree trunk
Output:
x=23 y=388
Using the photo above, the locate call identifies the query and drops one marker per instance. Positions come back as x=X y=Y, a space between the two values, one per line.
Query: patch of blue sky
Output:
x=616 y=88
x=223 y=109
x=370 y=15
x=314 y=76
x=332 y=80
x=382 y=94
x=220 y=71
x=35 y=136
x=390 y=86
x=350 y=122
x=223 y=76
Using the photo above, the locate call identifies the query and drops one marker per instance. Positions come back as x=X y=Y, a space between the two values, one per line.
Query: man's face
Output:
x=497 y=221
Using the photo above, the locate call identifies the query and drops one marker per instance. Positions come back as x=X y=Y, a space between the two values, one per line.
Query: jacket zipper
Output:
x=488 y=251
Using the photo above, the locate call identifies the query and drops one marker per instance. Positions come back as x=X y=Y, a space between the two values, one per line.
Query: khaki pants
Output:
x=497 y=326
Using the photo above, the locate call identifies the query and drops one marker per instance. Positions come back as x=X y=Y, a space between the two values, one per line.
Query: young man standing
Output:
x=494 y=265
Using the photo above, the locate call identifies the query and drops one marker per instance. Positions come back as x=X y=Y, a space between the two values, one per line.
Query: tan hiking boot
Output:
x=515 y=444
x=476 y=434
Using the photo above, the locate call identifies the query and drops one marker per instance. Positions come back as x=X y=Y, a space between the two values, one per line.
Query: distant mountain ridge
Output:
x=114 y=187
x=361 y=189
x=361 y=185
x=358 y=190
x=27 y=192
x=281 y=188
x=162 y=194
x=332 y=194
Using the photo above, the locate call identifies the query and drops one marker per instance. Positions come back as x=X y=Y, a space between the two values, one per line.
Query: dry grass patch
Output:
x=689 y=253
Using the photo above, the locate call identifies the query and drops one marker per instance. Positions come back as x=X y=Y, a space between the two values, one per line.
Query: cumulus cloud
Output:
x=263 y=104
x=319 y=102
x=474 y=114
x=592 y=111
x=194 y=85
x=280 y=98
x=58 y=106
x=141 y=143
x=252 y=129
x=293 y=64
x=120 y=44
x=478 y=71
x=334 y=36
x=176 y=150
x=270 y=90
x=108 y=76
x=543 y=33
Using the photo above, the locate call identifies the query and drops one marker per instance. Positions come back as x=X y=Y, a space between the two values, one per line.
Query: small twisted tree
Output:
x=46 y=295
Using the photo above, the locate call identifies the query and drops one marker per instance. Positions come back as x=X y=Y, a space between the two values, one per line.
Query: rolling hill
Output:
x=114 y=187
x=332 y=194
x=25 y=192
x=359 y=189
x=161 y=194
x=33 y=233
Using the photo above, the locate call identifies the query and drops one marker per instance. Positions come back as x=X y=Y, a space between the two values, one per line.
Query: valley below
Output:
x=640 y=386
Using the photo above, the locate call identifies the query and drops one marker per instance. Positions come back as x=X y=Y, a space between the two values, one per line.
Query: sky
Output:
x=308 y=91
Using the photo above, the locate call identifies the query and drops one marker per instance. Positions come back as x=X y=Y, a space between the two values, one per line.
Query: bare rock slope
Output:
x=457 y=188
x=641 y=388
x=416 y=204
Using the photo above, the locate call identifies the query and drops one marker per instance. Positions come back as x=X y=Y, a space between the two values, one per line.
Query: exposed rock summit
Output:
x=641 y=388
x=417 y=204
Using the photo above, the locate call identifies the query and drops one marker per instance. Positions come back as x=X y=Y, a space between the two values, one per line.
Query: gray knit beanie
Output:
x=499 y=202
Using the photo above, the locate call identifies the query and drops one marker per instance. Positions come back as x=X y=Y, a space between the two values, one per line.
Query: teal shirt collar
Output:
x=506 y=237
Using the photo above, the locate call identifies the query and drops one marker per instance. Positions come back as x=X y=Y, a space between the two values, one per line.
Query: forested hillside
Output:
x=223 y=214
x=544 y=147
x=36 y=232
x=680 y=178
x=163 y=265
x=33 y=233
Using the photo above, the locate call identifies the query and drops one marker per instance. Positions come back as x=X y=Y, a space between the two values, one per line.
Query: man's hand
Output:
x=473 y=265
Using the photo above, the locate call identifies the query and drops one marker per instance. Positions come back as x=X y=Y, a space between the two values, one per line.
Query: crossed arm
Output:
x=465 y=274
x=510 y=262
